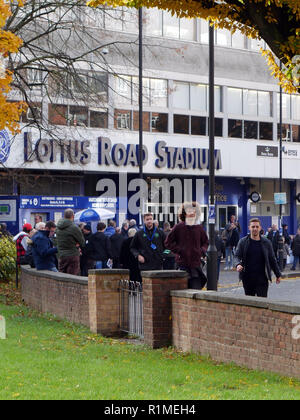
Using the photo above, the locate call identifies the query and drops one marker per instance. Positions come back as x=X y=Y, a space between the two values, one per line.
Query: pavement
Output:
x=288 y=290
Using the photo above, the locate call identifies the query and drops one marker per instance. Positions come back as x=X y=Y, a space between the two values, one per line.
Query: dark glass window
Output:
x=296 y=133
x=181 y=124
x=218 y=127
x=159 y=122
x=235 y=128
x=286 y=132
x=198 y=126
x=98 y=119
x=265 y=131
x=250 y=129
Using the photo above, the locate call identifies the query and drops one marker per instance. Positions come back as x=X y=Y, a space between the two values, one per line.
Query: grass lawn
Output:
x=45 y=358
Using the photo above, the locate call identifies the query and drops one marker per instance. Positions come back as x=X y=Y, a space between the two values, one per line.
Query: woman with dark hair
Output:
x=189 y=242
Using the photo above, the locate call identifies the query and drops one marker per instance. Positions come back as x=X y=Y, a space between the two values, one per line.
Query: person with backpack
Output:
x=21 y=243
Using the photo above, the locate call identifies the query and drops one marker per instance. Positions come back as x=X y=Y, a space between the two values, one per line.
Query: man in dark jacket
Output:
x=273 y=237
x=256 y=259
x=296 y=250
x=148 y=246
x=69 y=241
x=116 y=241
x=42 y=248
x=99 y=248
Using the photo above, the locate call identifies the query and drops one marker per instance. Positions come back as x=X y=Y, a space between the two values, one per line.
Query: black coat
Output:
x=141 y=245
x=296 y=246
x=270 y=259
x=99 y=247
x=274 y=238
x=128 y=261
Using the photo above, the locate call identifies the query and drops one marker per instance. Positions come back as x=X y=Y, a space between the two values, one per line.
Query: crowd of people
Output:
x=73 y=249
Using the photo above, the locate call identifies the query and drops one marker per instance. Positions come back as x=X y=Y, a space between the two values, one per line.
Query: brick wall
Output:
x=251 y=332
x=60 y=294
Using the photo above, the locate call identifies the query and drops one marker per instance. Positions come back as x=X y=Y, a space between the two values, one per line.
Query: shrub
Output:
x=8 y=256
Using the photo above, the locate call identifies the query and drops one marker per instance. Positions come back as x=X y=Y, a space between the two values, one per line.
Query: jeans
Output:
x=228 y=256
x=296 y=261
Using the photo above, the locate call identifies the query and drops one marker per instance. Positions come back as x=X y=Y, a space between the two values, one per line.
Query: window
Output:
x=78 y=116
x=122 y=119
x=218 y=127
x=235 y=128
x=181 y=95
x=98 y=118
x=123 y=89
x=159 y=92
x=170 y=25
x=146 y=121
x=204 y=31
x=286 y=106
x=235 y=101
x=286 y=132
x=296 y=133
x=181 y=124
x=159 y=122
x=296 y=107
x=155 y=91
x=238 y=40
x=265 y=131
x=250 y=102
x=250 y=129
x=223 y=37
x=58 y=114
x=187 y=28
x=264 y=104
x=198 y=97
x=198 y=126
x=154 y=22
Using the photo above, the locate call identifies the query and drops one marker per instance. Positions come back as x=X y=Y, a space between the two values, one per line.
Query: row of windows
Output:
x=156 y=22
x=73 y=115
x=162 y=93
x=194 y=97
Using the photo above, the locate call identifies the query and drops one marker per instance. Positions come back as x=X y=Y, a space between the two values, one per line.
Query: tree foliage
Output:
x=275 y=21
x=7 y=257
x=9 y=44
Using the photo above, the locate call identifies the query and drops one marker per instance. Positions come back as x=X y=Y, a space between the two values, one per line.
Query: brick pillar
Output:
x=104 y=300
x=158 y=304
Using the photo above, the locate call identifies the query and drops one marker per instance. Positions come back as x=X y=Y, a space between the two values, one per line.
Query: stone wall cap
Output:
x=109 y=271
x=54 y=275
x=230 y=298
x=175 y=274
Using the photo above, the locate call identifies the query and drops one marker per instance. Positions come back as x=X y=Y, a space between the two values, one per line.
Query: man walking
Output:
x=256 y=259
x=69 y=240
x=148 y=245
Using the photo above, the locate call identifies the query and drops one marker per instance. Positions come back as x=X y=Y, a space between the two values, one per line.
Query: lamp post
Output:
x=280 y=238
x=141 y=154
x=212 y=254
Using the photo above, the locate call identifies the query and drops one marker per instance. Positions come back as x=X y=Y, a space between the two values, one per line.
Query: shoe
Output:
x=226 y=269
x=292 y=269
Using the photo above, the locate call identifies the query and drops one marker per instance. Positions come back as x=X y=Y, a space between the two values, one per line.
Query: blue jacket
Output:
x=109 y=231
x=43 y=251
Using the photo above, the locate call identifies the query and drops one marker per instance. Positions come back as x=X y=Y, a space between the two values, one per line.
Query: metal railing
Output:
x=131 y=308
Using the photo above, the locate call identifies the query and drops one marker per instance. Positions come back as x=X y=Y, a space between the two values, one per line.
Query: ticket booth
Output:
x=9 y=213
x=52 y=208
